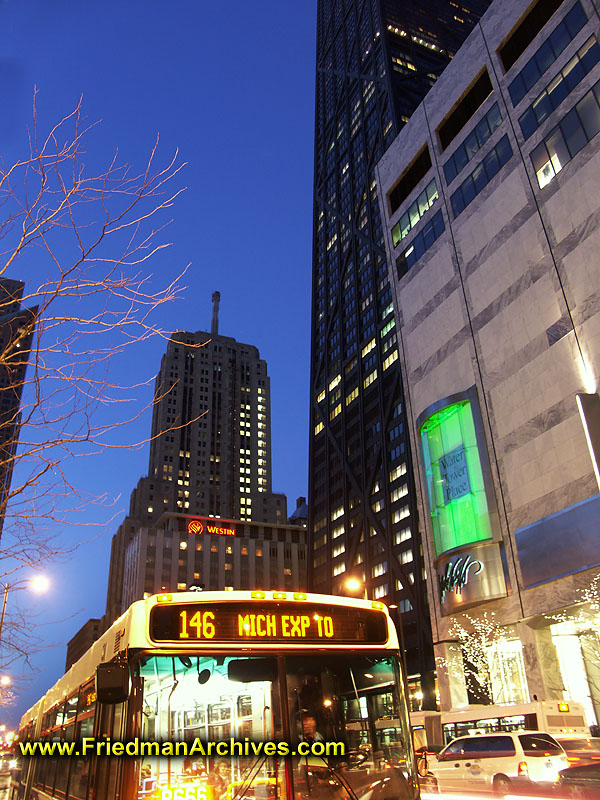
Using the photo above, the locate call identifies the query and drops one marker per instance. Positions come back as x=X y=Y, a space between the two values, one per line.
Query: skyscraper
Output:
x=16 y=330
x=376 y=60
x=210 y=448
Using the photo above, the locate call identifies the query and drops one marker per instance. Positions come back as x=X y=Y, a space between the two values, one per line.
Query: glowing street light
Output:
x=5 y=680
x=355 y=585
x=38 y=583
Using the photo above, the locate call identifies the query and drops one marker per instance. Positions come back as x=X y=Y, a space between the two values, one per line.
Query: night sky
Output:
x=232 y=87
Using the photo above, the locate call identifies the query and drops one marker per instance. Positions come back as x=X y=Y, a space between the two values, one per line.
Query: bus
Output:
x=563 y=720
x=197 y=695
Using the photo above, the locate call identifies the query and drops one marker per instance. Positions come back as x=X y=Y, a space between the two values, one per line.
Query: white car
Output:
x=497 y=760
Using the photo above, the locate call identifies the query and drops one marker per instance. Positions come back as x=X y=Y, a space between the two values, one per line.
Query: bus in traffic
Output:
x=237 y=695
x=560 y=719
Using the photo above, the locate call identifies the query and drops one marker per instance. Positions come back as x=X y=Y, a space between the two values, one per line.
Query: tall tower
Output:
x=211 y=429
x=16 y=331
x=210 y=447
x=376 y=60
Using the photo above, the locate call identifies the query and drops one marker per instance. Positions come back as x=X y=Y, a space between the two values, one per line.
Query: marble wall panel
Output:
x=482 y=220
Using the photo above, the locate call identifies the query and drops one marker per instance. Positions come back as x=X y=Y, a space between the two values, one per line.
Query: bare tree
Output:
x=90 y=237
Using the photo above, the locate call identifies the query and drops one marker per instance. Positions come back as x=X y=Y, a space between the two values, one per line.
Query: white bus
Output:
x=211 y=667
x=561 y=719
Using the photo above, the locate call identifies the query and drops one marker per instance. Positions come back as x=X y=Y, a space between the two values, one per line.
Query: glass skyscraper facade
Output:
x=376 y=60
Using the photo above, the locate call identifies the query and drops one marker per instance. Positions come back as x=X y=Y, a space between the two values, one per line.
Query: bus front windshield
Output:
x=302 y=702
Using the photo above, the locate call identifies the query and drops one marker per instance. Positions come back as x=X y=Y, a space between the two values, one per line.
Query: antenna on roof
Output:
x=214 y=325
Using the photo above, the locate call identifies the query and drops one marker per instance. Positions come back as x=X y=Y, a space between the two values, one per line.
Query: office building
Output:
x=16 y=331
x=375 y=62
x=491 y=213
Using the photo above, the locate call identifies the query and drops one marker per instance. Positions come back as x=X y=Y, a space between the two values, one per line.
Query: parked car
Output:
x=499 y=761
x=581 y=781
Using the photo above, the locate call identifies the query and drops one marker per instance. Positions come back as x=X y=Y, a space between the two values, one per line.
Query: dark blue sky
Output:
x=231 y=85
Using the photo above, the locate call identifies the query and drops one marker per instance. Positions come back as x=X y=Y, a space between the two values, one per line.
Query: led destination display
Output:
x=266 y=622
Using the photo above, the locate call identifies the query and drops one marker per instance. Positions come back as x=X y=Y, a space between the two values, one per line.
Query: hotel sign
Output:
x=214 y=526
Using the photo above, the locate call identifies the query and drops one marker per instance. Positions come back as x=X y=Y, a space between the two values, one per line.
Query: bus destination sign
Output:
x=267 y=622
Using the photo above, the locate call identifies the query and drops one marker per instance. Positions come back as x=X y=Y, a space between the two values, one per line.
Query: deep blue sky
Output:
x=232 y=86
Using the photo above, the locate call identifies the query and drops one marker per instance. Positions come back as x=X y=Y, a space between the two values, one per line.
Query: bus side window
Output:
x=52 y=724
x=80 y=766
x=68 y=735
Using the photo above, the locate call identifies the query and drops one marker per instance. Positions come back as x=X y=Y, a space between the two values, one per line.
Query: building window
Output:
x=549 y=51
x=398 y=492
x=379 y=569
x=572 y=133
x=338 y=569
x=415 y=212
x=473 y=143
x=421 y=243
x=559 y=88
x=380 y=591
x=481 y=176
x=402 y=536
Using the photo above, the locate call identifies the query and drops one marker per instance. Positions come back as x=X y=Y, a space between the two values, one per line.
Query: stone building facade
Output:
x=491 y=200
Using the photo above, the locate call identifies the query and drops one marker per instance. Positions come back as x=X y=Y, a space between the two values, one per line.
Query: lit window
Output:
x=321 y=396
x=338 y=569
x=352 y=396
x=387 y=328
x=379 y=569
x=339 y=531
x=397 y=472
x=337 y=512
x=399 y=492
x=400 y=514
x=335 y=382
x=387 y=362
x=402 y=536
x=337 y=551
x=337 y=410
x=370 y=379
x=368 y=347
x=406 y=557
x=380 y=591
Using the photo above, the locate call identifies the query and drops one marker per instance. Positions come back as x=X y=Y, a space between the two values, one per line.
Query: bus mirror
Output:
x=252 y=669
x=112 y=683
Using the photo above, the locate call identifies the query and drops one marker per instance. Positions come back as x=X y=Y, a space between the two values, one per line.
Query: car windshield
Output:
x=353 y=701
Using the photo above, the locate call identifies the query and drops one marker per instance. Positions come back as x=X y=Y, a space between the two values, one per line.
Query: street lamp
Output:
x=38 y=583
x=355 y=585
